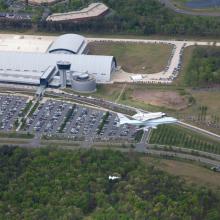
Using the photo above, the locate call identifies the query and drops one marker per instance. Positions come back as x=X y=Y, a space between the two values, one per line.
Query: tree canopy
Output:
x=204 y=67
x=136 y=17
x=63 y=184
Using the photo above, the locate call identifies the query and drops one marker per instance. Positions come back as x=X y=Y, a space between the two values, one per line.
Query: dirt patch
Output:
x=168 y=99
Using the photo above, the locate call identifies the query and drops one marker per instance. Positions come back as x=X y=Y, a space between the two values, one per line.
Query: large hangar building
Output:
x=41 y=68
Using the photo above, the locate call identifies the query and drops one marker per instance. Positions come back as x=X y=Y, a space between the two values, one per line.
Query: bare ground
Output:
x=168 y=99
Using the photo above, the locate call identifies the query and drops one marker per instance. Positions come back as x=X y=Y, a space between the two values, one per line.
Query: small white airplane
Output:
x=113 y=177
x=146 y=120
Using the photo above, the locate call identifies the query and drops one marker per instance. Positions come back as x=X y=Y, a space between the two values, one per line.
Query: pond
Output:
x=203 y=4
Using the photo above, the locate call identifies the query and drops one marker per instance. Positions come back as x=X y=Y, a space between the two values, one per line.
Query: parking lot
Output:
x=111 y=131
x=83 y=122
x=56 y=118
x=48 y=118
x=10 y=109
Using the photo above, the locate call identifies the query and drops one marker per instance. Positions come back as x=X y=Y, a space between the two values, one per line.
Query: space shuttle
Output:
x=147 y=116
x=146 y=120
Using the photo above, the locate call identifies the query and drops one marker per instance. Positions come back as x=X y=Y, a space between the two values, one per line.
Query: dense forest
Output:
x=63 y=184
x=137 y=17
x=204 y=67
x=142 y=17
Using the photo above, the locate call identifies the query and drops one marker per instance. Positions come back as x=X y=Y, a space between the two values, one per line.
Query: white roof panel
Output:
x=34 y=64
x=68 y=42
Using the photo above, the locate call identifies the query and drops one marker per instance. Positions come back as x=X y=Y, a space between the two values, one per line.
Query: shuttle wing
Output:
x=166 y=120
x=159 y=121
x=124 y=120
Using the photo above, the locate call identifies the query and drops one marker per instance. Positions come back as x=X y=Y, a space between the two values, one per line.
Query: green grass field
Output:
x=135 y=57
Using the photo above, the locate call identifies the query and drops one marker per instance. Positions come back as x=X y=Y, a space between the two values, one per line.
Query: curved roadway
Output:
x=171 y=6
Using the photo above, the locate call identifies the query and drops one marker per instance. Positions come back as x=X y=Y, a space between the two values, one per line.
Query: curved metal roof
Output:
x=33 y=65
x=71 y=43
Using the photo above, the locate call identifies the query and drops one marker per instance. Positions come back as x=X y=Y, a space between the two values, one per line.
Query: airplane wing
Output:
x=138 y=111
x=155 y=122
x=124 y=120
x=166 y=120
x=146 y=128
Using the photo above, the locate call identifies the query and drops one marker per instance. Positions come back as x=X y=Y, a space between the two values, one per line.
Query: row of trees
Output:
x=68 y=116
x=17 y=25
x=170 y=135
x=62 y=184
x=104 y=119
x=202 y=113
x=213 y=120
x=3 y=5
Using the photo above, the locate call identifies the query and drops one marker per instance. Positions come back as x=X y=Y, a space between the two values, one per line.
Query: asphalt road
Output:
x=171 y=6
x=186 y=150
x=184 y=156
x=140 y=148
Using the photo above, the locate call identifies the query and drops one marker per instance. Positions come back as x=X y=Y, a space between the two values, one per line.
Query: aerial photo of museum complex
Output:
x=80 y=70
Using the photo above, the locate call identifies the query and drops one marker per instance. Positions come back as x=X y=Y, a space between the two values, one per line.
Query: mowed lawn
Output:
x=192 y=173
x=135 y=57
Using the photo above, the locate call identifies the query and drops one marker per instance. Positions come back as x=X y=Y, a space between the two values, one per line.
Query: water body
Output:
x=197 y=4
